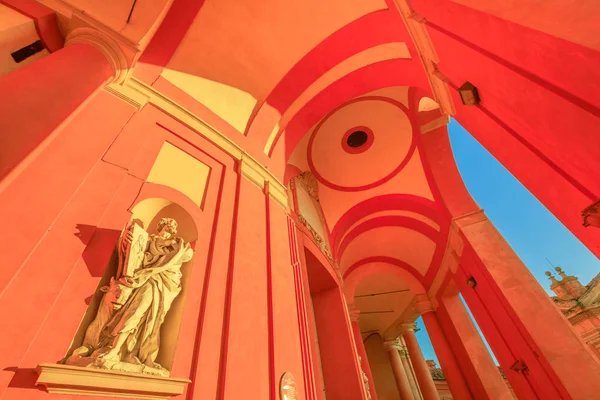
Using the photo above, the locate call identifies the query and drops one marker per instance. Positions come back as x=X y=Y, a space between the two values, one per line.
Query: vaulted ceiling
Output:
x=336 y=88
x=294 y=81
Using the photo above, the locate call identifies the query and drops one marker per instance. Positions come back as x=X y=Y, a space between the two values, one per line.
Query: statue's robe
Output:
x=143 y=301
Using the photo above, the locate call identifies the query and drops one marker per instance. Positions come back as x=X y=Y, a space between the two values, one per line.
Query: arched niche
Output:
x=147 y=213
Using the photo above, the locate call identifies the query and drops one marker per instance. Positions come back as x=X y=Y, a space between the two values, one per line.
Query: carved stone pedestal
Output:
x=66 y=379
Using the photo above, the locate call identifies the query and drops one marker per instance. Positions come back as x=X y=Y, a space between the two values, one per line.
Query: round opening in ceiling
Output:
x=357 y=139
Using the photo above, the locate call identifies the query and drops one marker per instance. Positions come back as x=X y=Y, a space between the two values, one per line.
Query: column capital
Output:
x=105 y=45
x=408 y=327
x=390 y=345
x=354 y=312
x=403 y=352
x=423 y=304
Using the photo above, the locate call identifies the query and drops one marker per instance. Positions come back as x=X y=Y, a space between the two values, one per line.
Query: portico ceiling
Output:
x=295 y=88
x=290 y=82
x=378 y=204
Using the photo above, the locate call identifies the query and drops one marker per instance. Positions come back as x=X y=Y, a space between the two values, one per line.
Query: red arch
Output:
x=396 y=72
x=361 y=34
x=396 y=201
x=155 y=190
x=388 y=220
x=362 y=268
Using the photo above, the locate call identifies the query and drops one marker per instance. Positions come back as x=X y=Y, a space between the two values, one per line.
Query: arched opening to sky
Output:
x=539 y=239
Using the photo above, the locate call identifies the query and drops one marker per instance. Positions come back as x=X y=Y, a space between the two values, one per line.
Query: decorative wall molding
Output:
x=140 y=94
x=309 y=182
x=105 y=45
x=422 y=304
x=415 y=24
x=319 y=241
x=435 y=124
x=120 y=52
x=471 y=218
x=354 y=312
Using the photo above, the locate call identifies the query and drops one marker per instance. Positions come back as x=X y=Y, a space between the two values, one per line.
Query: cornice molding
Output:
x=471 y=218
x=309 y=182
x=407 y=327
x=415 y=24
x=435 y=124
x=105 y=45
x=319 y=241
x=140 y=94
x=120 y=52
x=422 y=304
x=354 y=312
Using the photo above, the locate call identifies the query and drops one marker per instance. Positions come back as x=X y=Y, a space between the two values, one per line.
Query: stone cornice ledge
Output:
x=66 y=379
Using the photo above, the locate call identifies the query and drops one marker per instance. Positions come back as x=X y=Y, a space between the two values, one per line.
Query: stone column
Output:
x=392 y=347
x=360 y=347
x=543 y=348
x=40 y=98
x=409 y=371
x=474 y=352
x=456 y=381
x=421 y=369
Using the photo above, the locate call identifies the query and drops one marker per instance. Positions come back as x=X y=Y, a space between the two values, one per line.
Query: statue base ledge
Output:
x=67 y=379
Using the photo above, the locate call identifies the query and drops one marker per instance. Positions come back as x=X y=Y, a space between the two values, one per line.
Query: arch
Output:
x=311 y=248
x=381 y=265
x=395 y=201
x=388 y=220
x=437 y=154
x=158 y=191
x=291 y=171
x=381 y=27
x=359 y=82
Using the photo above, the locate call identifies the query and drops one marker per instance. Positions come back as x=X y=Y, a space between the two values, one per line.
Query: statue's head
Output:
x=167 y=227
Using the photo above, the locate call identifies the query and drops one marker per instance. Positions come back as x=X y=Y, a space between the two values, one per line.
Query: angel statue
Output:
x=125 y=334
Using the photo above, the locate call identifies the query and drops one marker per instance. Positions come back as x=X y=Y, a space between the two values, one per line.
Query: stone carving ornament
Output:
x=287 y=387
x=365 y=379
x=125 y=334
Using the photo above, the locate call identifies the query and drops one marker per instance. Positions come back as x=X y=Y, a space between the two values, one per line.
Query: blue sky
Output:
x=532 y=231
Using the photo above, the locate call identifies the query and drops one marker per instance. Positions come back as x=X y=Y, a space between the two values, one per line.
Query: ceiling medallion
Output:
x=287 y=387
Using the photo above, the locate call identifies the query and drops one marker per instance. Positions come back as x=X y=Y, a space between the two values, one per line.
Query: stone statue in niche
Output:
x=125 y=334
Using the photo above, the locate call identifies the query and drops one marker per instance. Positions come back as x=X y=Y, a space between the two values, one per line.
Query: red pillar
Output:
x=535 y=333
x=421 y=370
x=360 y=347
x=452 y=373
x=545 y=136
x=38 y=99
x=400 y=375
x=482 y=375
x=409 y=370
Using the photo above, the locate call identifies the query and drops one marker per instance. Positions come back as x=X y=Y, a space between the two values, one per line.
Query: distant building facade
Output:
x=580 y=305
